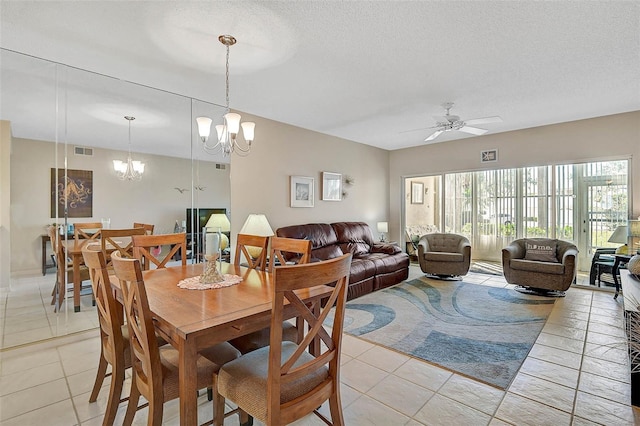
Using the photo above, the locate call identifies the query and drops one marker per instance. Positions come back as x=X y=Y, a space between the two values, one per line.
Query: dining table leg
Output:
x=188 y=374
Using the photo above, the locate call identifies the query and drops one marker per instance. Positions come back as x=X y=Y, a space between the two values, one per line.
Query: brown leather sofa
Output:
x=374 y=265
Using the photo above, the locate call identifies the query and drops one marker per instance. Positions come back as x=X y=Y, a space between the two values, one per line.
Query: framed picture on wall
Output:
x=417 y=193
x=302 y=193
x=72 y=189
x=331 y=186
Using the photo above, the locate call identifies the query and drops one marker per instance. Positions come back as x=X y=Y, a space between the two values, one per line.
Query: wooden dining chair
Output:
x=144 y=247
x=155 y=369
x=243 y=241
x=281 y=249
x=110 y=242
x=147 y=227
x=64 y=271
x=286 y=381
x=80 y=230
x=114 y=334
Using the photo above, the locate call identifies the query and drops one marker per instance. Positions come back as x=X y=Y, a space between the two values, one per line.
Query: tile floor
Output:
x=577 y=373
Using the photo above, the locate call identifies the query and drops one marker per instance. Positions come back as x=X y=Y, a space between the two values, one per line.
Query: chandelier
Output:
x=227 y=132
x=129 y=170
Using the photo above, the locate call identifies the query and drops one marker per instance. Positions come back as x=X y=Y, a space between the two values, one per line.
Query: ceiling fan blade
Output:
x=434 y=135
x=420 y=129
x=486 y=120
x=473 y=130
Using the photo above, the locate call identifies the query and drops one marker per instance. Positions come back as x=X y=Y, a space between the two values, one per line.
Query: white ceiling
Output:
x=366 y=71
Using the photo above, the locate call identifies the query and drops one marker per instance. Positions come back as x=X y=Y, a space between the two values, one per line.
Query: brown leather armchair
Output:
x=550 y=276
x=444 y=254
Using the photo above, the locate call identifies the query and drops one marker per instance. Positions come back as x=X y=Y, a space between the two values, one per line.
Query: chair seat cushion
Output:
x=169 y=357
x=244 y=381
x=535 y=266
x=439 y=256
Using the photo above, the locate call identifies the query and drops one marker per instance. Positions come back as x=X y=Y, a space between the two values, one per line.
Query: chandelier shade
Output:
x=227 y=133
x=129 y=169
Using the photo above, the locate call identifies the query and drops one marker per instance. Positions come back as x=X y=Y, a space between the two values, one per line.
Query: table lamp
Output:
x=256 y=224
x=620 y=236
x=216 y=242
x=382 y=228
x=633 y=236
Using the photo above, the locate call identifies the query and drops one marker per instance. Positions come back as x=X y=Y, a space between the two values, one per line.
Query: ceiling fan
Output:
x=448 y=122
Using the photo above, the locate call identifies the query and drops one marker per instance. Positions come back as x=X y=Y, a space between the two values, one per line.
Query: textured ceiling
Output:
x=371 y=72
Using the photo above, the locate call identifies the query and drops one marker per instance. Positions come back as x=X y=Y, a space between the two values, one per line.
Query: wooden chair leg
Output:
x=100 y=375
x=156 y=407
x=218 y=403
x=132 y=406
x=115 y=391
x=335 y=407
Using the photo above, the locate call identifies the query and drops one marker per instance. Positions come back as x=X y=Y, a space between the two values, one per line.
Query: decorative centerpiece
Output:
x=211 y=274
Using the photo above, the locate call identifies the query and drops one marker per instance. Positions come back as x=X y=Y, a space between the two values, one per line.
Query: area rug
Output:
x=490 y=268
x=479 y=331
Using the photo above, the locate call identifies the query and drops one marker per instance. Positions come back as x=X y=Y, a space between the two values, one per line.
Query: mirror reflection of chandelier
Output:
x=227 y=132
x=130 y=169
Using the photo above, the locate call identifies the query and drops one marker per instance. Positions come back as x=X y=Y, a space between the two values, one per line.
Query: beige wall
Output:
x=260 y=182
x=610 y=137
x=426 y=213
x=154 y=199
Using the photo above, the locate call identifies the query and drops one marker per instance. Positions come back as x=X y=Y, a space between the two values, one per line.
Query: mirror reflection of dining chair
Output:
x=287 y=381
x=110 y=242
x=248 y=245
x=64 y=271
x=155 y=369
x=87 y=230
x=146 y=226
x=285 y=251
x=148 y=249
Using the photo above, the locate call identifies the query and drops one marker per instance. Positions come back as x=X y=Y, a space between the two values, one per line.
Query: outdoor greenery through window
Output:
x=582 y=203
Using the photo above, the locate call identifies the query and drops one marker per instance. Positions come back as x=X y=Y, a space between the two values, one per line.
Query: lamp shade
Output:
x=248 y=130
x=219 y=221
x=233 y=122
x=383 y=226
x=619 y=235
x=204 y=126
x=257 y=224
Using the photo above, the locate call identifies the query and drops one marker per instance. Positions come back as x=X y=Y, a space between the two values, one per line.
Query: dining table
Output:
x=193 y=320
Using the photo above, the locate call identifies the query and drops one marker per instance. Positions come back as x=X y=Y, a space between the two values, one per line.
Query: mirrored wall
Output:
x=66 y=123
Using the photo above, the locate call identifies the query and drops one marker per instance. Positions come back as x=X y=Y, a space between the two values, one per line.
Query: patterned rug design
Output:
x=479 y=331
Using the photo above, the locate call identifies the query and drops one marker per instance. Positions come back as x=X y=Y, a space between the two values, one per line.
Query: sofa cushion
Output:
x=541 y=249
x=447 y=243
x=361 y=269
x=537 y=266
x=353 y=237
x=439 y=256
x=323 y=239
x=385 y=248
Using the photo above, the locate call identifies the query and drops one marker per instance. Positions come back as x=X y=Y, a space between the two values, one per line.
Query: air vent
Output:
x=221 y=166
x=81 y=150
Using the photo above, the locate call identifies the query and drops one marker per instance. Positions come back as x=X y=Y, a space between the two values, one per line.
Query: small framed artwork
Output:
x=301 y=191
x=73 y=190
x=417 y=193
x=331 y=186
x=489 y=156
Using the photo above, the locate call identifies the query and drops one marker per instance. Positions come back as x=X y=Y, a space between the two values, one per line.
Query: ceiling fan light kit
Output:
x=448 y=123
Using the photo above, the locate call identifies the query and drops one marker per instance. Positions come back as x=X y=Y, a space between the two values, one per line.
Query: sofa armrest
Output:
x=423 y=246
x=385 y=248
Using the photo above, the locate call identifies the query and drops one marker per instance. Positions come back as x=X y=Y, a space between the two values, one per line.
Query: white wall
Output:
x=611 y=137
x=260 y=182
x=154 y=199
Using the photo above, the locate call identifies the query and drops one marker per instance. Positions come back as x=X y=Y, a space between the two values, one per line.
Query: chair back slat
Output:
x=111 y=244
x=288 y=279
x=144 y=247
x=282 y=247
x=80 y=230
x=244 y=245
x=146 y=226
x=145 y=356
